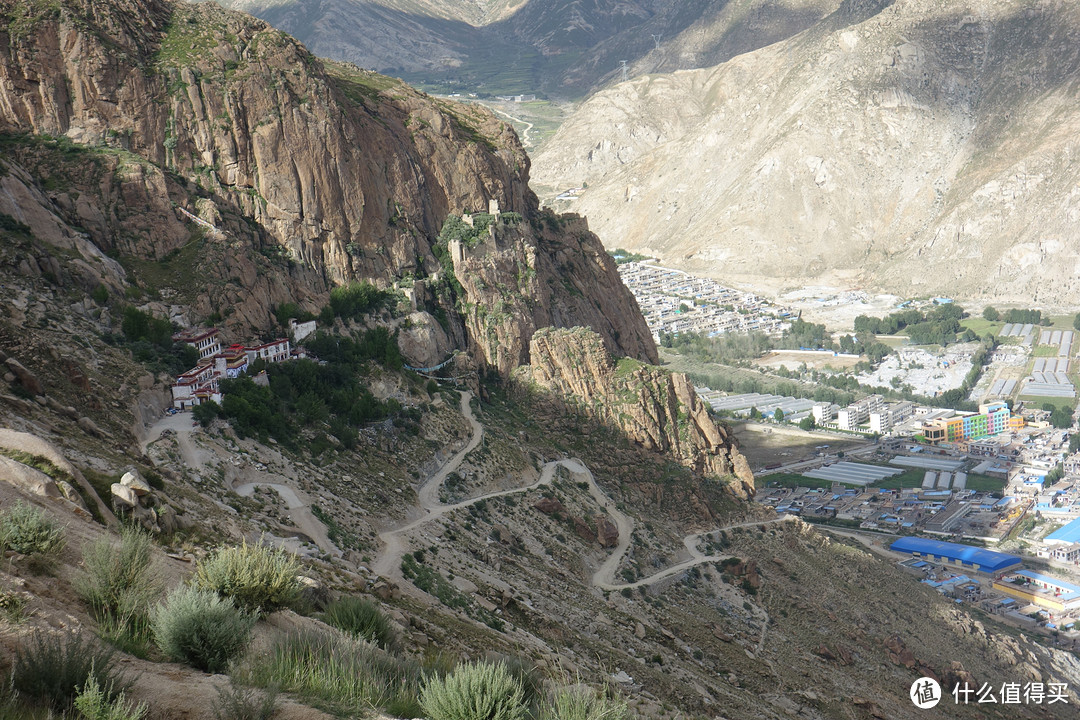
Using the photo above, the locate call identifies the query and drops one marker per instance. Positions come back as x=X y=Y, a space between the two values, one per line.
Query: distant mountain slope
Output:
x=563 y=47
x=917 y=147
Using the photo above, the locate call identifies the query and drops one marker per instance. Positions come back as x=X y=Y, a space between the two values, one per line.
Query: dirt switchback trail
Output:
x=388 y=562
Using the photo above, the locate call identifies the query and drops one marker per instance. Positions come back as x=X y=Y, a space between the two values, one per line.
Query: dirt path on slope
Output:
x=183 y=424
x=388 y=562
x=690 y=542
x=299 y=507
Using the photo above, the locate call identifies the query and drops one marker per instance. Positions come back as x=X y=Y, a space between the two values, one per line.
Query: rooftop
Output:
x=987 y=560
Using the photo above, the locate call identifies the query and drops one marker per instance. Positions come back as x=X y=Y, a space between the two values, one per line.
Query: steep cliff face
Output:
x=657 y=409
x=328 y=172
x=552 y=272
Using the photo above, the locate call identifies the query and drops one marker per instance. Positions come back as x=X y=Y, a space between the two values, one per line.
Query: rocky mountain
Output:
x=549 y=501
x=658 y=410
x=327 y=172
x=912 y=147
x=565 y=48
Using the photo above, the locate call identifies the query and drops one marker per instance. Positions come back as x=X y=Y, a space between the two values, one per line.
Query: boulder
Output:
x=550 y=506
x=70 y=494
x=26 y=378
x=606 y=532
x=123 y=495
x=134 y=480
x=27 y=478
x=89 y=426
x=167 y=519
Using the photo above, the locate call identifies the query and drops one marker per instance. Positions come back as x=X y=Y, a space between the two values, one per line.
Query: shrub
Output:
x=12 y=606
x=94 y=704
x=119 y=583
x=580 y=702
x=338 y=670
x=362 y=618
x=28 y=530
x=237 y=702
x=52 y=668
x=200 y=628
x=475 y=691
x=256 y=577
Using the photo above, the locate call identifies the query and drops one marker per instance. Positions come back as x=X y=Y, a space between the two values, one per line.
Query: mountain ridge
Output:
x=904 y=149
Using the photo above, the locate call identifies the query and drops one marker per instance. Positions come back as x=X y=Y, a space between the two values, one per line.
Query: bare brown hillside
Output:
x=914 y=147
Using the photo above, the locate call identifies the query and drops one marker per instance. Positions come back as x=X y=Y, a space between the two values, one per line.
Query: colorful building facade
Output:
x=992 y=419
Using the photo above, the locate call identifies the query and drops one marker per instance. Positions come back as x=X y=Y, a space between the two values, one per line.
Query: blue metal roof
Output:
x=1068 y=534
x=987 y=560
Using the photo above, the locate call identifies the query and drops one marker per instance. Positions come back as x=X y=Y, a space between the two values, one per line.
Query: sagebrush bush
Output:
x=257 y=578
x=52 y=667
x=200 y=628
x=337 y=670
x=236 y=702
x=362 y=618
x=29 y=530
x=581 y=702
x=474 y=691
x=119 y=582
x=94 y=703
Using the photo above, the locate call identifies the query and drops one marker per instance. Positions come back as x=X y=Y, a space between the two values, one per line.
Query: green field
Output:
x=985 y=483
x=981 y=326
x=908 y=479
x=790 y=480
x=1038 y=402
x=911 y=478
x=1045 y=351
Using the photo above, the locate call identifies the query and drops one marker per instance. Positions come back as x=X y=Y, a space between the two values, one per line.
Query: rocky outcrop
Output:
x=193 y=123
x=656 y=409
x=553 y=272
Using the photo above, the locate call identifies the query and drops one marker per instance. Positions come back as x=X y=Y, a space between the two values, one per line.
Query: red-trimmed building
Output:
x=200 y=384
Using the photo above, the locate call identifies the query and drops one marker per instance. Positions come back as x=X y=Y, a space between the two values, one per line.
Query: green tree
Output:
x=990 y=313
x=808 y=423
x=205 y=412
x=1074 y=443
x=778 y=415
x=755 y=414
x=1076 y=321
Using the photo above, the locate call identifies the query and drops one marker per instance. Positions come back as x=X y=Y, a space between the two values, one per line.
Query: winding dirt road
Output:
x=388 y=561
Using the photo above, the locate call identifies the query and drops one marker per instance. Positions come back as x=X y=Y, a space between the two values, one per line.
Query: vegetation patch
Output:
x=257 y=578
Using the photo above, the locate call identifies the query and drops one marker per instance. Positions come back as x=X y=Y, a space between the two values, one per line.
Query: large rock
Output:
x=134 y=480
x=606 y=532
x=27 y=478
x=26 y=378
x=657 y=409
x=123 y=495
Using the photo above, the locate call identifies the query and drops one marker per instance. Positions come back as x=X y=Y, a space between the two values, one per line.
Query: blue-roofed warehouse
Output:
x=966 y=556
x=1068 y=534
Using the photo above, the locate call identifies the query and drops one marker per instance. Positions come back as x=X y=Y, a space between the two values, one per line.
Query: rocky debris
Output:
x=26 y=378
x=657 y=409
x=551 y=506
x=898 y=652
x=841 y=655
x=314 y=593
x=385 y=590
